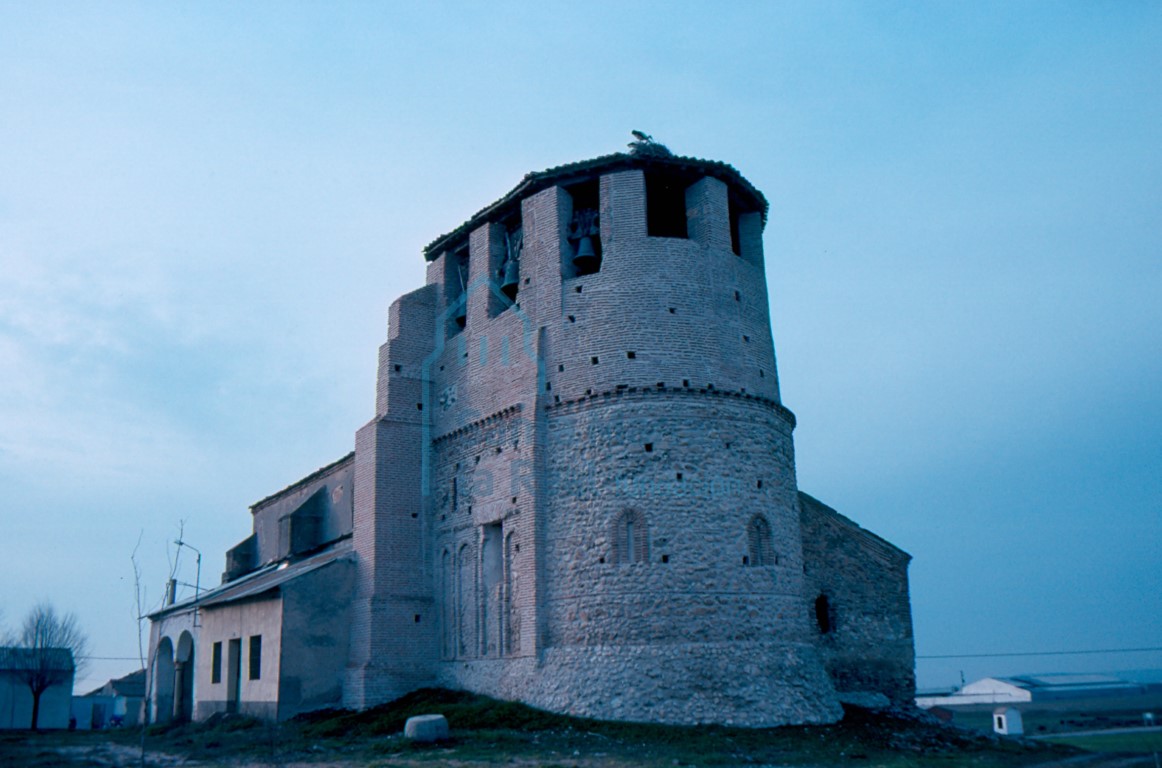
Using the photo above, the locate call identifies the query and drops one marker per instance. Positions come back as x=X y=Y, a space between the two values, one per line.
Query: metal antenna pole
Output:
x=198 y=579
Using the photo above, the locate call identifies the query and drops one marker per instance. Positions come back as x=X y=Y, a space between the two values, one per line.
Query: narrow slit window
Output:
x=735 y=231
x=823 y=617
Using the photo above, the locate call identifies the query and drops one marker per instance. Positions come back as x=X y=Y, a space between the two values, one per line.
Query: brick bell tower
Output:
x=579 y=488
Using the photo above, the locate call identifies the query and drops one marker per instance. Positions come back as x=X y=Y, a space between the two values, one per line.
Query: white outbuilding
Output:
x=1007 y=721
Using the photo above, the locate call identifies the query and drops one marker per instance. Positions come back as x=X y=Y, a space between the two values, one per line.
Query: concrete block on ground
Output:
x=426 y=728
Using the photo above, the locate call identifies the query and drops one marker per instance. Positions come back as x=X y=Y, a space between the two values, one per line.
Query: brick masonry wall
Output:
x=484 y=540
x=391 y=644
x=692 y=313
x=338 y=482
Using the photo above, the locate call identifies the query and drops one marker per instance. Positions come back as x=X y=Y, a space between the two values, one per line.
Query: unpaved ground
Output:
x=101 y=751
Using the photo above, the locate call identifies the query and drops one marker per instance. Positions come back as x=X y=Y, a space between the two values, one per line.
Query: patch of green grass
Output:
x=464 y=711
x=1113 y=742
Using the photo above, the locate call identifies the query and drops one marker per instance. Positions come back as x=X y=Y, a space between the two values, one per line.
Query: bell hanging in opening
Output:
x=460 y=314
x=511 y=282
x=586 y=260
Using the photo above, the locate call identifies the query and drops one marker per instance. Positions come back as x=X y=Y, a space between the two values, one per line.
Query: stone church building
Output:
x=577 y=490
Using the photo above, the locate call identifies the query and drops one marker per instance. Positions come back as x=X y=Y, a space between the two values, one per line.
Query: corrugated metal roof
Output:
x=1066 y=681
x=1072 y=679
x=271 y=581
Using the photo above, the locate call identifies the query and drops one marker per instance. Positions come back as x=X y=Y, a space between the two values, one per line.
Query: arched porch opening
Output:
x=183 y=694
x=163 y=681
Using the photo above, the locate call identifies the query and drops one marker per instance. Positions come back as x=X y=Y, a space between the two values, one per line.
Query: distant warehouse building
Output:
x=1033 y=689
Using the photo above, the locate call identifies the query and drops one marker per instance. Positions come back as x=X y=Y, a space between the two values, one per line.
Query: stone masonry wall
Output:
x=669 y=621
x=864 y=626
x=696 y=469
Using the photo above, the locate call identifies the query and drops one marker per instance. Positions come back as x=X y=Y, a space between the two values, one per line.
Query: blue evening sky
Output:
x=206 y=208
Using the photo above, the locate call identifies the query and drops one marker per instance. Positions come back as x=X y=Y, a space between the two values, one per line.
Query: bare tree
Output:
x=139 y=614
x=48 y=650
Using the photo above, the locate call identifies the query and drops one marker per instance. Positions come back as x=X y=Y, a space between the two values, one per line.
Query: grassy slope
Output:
x=486 y=731
x=1114 y=742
